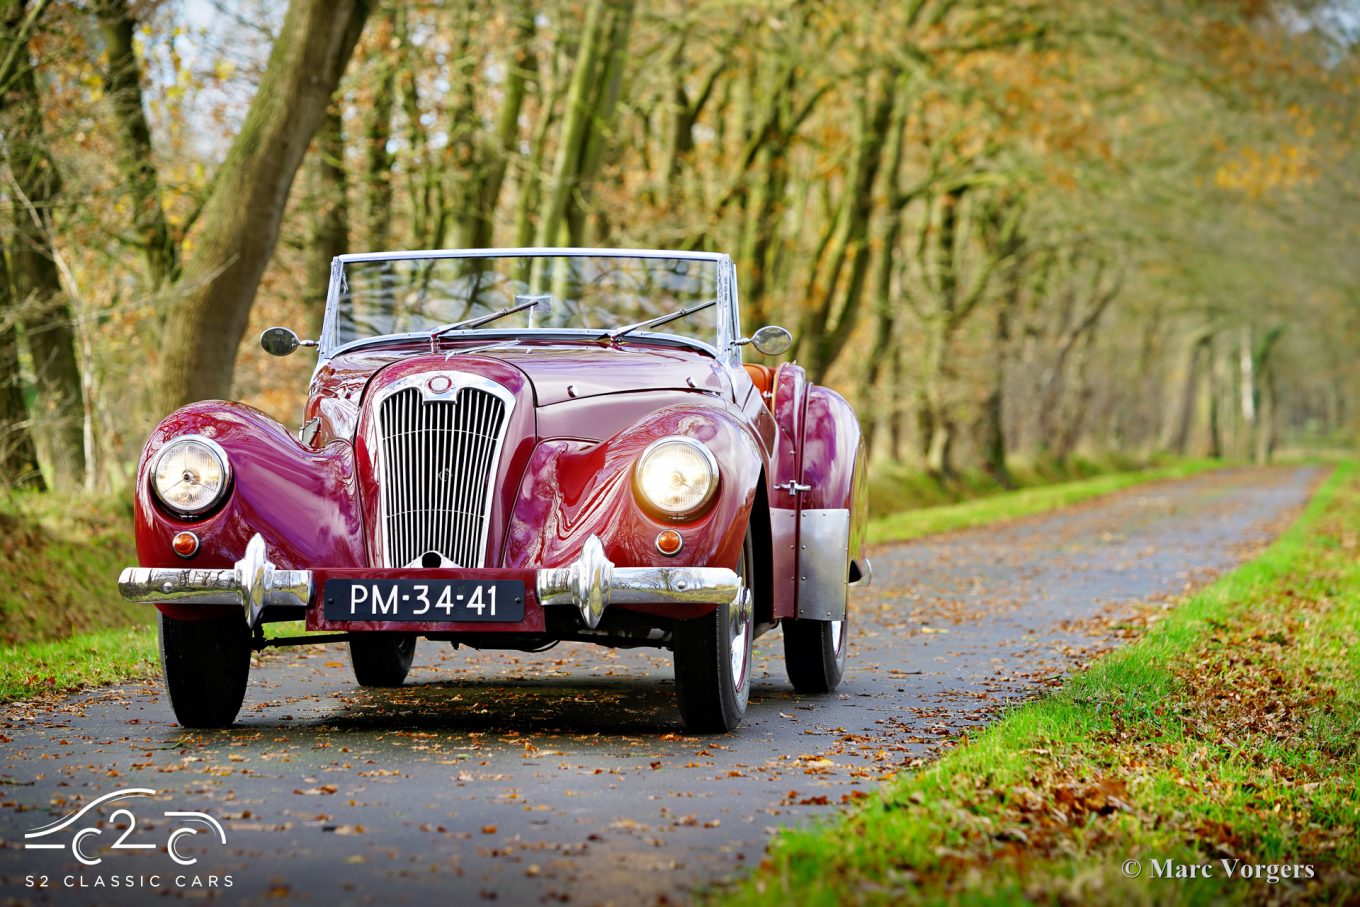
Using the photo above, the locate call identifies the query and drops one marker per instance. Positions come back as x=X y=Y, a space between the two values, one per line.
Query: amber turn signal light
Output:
x=185 y=544
x=669 y=542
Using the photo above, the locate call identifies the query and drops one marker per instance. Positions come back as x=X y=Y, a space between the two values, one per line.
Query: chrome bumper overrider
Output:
x=253 y=583
x=589 y=584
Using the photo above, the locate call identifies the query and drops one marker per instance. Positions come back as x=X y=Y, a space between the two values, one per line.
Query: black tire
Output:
x=711 y=691
x=382 y=659
x=206 y=664
x=814 y=653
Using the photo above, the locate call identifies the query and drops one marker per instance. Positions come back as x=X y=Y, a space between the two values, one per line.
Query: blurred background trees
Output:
x=1007 y=231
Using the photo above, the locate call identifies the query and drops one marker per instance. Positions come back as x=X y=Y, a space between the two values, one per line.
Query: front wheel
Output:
x=713 y=658
x=814 y=653
x=382 y=659
x=206 y=664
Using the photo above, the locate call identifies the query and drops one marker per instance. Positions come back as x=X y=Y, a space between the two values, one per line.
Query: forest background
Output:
x=1010 y=232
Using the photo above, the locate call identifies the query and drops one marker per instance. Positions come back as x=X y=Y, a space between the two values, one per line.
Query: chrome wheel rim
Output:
x=740 y=625
x=838 y=633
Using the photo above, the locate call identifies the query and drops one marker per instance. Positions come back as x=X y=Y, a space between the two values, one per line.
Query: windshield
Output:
x=583 y=292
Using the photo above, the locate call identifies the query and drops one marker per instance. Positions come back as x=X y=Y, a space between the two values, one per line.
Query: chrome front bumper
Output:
x=590 y=584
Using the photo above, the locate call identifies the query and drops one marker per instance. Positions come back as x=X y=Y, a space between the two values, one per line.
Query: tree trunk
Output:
x=1076 y=403
x=576 y=120
x=992 y=427
x=377 y=184
x=426 y=169
x=529 y=196
x=137 y=162
x=1264 y=394
x=1215 y=375
x=897 y=415
x=44 y=309
x=1060 y=409
x=936 y=417
x=1178 y=440
x=241 y=217
x=885 y=329
x=1002 y=236
x=329 y=213
x=764 y=189
x=597 y=135
x=462 y=159
x=680 y=117
x=478 y=229
x=1265 y=430
x=18 y=456
x=760 y=234
x=833 y=315
x=1247 y=380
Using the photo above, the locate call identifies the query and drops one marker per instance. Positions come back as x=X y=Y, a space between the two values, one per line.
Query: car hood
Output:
x=556 y=373
x=561 y=373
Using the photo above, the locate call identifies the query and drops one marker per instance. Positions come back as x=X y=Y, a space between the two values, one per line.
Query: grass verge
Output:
x=62 y=624
x=48 y=667
x=1227 y=737
x=59 y=560
x=911 y=524
x=87 y=659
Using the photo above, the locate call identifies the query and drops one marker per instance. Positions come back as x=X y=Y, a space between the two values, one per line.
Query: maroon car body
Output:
x=787 y=513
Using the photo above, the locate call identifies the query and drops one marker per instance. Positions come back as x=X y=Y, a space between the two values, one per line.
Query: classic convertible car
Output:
x=507 y=449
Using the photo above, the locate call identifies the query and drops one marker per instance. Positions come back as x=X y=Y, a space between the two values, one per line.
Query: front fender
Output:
x=303 y=502
x=574 y=489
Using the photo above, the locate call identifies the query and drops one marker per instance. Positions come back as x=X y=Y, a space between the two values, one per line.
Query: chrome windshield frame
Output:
x=727 y=321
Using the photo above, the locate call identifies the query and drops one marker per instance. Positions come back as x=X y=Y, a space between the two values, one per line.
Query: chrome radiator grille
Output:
x=438 y=467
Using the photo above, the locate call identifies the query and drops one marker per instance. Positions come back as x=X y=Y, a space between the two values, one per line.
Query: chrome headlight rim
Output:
x=227 y=477
x=655 y=508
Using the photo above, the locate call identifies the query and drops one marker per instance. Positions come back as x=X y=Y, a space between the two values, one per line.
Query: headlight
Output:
x=190 y=474
x=676 y=476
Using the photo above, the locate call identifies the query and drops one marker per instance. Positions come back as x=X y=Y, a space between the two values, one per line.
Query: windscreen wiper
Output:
x=528 y=303
x=656 y=322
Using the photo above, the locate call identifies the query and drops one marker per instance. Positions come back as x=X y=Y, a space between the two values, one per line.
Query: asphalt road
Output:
x=565 y=777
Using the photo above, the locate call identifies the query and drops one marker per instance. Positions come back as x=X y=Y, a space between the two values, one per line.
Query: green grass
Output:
x=59 y=559
x=86 y=659
x=62 y=624
x=1231 y=729
x=895 y=486
x=911 y=524
x=49 y=667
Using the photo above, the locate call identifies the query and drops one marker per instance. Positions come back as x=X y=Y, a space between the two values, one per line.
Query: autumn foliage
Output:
x=1006 y=229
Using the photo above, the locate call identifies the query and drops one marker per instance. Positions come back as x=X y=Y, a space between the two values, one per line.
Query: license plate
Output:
x=424 y=600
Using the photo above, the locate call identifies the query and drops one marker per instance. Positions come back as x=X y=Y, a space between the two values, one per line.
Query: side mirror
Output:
x=281 y=341
x=772 y=340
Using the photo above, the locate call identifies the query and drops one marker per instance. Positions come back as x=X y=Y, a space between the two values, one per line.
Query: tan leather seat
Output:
x=762 y=376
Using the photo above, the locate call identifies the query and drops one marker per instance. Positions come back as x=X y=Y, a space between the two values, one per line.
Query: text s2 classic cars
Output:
x=507 y=449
